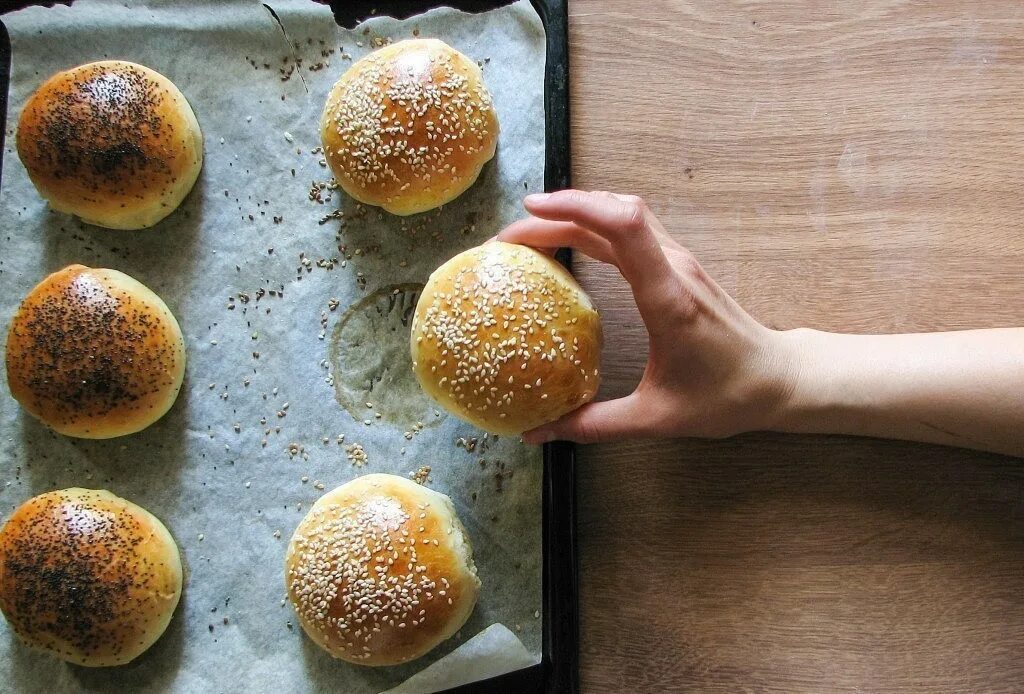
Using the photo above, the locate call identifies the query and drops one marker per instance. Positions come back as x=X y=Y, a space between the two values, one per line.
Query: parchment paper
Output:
x=494 y=651
x=249 y=237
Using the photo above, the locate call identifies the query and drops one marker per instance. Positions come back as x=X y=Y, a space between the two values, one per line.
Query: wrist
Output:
x=838 y=384
x=766 y=397
x=805 y=380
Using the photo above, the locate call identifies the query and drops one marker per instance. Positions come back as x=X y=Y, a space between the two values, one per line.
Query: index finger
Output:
x=546 y=234
x=623 y=221
x=603 y=213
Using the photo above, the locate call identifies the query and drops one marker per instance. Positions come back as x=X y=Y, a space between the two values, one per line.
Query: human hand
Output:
x=712 y=370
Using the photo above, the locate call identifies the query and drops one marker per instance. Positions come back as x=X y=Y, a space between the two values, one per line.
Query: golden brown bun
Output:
x=94 y=353
x=87 y=576
x=505 y=338
x=381 y=570
x=112 y=142
x=409 y=127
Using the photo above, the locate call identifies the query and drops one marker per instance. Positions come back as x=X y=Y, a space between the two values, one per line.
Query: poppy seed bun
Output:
x=409 y=127
x=112 y=142
x=87 y=576
x=94 y=353
x=380 y=571
x=504 y=338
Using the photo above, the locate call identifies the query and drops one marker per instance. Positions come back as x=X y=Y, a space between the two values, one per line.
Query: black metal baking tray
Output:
x=558 y=671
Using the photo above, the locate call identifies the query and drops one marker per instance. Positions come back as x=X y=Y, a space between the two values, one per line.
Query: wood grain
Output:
x=846 y=166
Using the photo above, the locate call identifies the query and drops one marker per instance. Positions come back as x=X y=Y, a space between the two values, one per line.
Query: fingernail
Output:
x=536 y=197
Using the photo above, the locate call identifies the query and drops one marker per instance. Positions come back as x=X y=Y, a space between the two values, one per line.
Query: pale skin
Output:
x=714 y=371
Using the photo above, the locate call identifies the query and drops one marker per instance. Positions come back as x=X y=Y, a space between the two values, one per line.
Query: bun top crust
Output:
x=104 y=139
x=380 y=571
x=409 y=127
x=94 y=353
x=88 y=576
x=505 y=338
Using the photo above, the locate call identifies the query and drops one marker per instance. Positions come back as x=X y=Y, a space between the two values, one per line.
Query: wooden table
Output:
x=848 y=166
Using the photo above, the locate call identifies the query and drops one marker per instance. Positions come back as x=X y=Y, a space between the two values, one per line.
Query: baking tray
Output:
x=558 y=670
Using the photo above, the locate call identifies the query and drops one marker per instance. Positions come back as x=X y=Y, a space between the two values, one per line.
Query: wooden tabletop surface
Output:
x=847 y=166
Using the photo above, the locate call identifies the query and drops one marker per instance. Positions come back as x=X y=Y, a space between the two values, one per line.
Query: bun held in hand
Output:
x=505 y=338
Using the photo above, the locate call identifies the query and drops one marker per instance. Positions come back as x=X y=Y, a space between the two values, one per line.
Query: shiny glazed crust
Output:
x=94 y=353
x=409 y=127
x=505 y=338
x=380 y=571
x=112 y=142
x=87 y=576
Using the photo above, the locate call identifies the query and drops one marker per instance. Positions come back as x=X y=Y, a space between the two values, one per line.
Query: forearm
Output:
x=957 y=388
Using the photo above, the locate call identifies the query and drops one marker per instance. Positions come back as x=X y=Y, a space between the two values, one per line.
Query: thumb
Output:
x=593 y=423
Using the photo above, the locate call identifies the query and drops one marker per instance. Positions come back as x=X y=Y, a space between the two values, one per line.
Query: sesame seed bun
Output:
x=94 y=353
x=112 y=142
x=409 y=127
x=380 y=571
x=505 y=338
x=87 y=576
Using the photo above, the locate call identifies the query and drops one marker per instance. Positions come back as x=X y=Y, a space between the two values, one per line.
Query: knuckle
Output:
x=636 y=216
x=576 y=197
